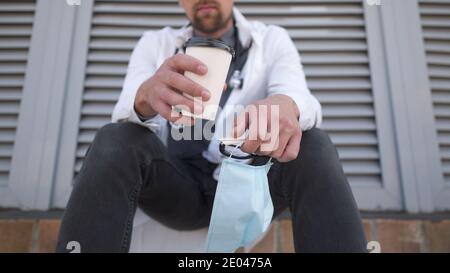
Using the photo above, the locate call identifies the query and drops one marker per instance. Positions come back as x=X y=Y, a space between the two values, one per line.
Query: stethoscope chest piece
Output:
x=236 y=80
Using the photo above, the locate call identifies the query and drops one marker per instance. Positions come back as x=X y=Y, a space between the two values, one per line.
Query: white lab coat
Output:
x=273 y=67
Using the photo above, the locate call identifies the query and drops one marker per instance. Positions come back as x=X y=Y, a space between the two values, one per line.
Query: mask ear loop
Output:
x=235 y=148
x=238 y=146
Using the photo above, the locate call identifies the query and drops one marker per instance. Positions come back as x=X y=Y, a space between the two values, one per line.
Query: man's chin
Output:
x=207 y=28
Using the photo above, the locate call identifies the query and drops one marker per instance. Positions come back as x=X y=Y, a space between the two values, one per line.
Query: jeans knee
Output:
x=316 y=146
x=317 y=137
x=120 y=131
x=317 y=161
x=115 y=140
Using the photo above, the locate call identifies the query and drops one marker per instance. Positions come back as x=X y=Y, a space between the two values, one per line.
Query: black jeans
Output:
x=128 y=166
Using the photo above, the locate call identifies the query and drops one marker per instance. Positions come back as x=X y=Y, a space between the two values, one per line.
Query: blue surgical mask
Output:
x=242 y=209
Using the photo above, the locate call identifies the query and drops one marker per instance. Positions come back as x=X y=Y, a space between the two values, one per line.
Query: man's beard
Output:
x=218 y=22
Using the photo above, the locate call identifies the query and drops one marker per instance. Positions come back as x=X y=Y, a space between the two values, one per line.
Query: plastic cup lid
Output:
x=209 y=42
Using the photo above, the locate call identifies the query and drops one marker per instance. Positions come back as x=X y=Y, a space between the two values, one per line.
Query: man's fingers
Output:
x=186 y=85
x=174 y=98
x=263 y=123
x=253 y=123
x=253 y=141
x=183 y=62
x=166 y=112
x=266 y=147
x=240 y=124
x=292 y=148
x=269 y=146
x=250 y=146
x=283 y=140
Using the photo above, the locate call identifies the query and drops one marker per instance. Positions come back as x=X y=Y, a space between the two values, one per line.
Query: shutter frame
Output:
x=41 y=109
x=70 y=125
x=414 y=131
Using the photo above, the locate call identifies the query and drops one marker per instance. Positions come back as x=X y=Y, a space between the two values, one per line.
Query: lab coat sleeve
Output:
x=286 y=76
x=142 y=66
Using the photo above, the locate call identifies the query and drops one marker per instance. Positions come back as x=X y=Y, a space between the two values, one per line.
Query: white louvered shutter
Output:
x=16 y=23
x=330 y=36
x=436 y=31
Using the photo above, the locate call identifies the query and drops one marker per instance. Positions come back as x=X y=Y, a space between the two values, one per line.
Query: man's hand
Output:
x=273 y=128
x=164 y=89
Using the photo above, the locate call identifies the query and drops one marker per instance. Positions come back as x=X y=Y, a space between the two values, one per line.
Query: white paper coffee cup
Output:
x=217 y=56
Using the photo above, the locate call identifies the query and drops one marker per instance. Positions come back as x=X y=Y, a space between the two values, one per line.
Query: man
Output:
x=136 y=161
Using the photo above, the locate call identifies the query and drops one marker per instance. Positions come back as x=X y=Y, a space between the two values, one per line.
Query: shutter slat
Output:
x=5 y=151
x=109 y=96
x=7 y=136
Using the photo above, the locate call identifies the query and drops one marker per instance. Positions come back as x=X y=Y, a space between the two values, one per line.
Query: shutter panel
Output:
x=16 y=23
x=330 y=36
x=436 y=30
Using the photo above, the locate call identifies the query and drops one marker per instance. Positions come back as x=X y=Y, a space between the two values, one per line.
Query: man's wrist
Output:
x=141 y=106
x=143 y=118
